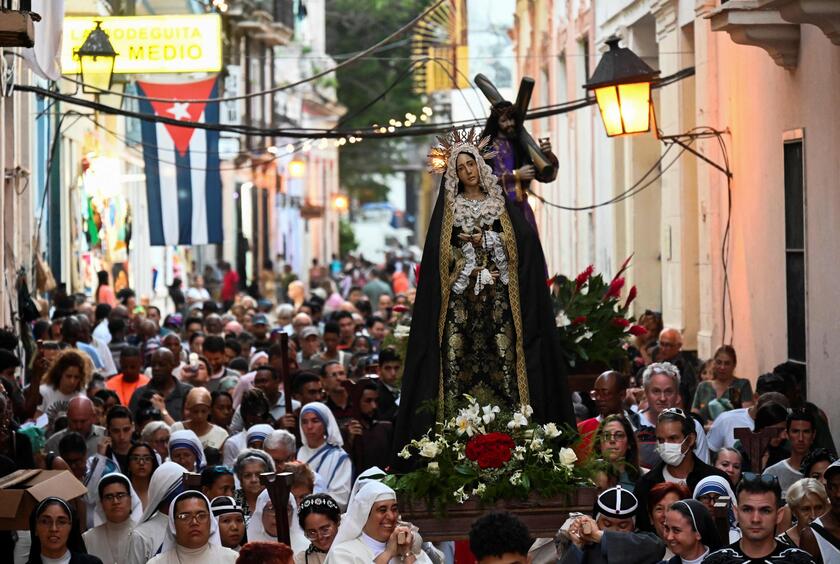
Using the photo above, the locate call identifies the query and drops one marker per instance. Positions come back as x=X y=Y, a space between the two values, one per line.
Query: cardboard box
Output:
x=22 y=491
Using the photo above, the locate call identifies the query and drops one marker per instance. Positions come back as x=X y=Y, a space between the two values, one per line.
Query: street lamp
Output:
x=297 y=169
x=96 y=61
x=341 y=203
x=621 y=82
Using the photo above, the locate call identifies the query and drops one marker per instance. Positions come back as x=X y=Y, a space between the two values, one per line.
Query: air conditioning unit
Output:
x=17 y=29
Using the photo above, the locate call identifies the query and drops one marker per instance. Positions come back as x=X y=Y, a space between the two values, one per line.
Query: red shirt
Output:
x=125 y=389
x=230 y=284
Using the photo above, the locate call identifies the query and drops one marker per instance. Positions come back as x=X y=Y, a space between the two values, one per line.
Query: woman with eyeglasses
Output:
x=156 y=433
x=56 y=538
x=262 y=526
x=193 y=534
x=142 y=463
x=690 y=532
x=319 y=517
x=616 y=443
x=708 y=491
x=118 y=510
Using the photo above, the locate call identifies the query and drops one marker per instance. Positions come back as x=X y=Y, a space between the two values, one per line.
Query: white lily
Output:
x=489 y=413
x=518 y=420
x=551 y=430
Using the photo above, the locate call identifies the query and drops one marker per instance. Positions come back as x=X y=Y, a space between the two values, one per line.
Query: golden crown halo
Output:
x=439 y=155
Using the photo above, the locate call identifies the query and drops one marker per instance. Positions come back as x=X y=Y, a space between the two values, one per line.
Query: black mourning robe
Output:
x=548 y=389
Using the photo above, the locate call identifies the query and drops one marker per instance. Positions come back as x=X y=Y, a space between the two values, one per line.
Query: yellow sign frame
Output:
x=150 y=44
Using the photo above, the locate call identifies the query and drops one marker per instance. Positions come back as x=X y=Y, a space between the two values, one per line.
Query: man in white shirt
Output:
x=722 y=432
x=661 y=382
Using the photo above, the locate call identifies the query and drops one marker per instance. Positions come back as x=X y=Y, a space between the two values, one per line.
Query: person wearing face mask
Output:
x=610 y=535
x=675 y=437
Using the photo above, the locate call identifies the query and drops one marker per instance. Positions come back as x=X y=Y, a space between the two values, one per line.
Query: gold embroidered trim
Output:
x=445 y=284
x=509 y=240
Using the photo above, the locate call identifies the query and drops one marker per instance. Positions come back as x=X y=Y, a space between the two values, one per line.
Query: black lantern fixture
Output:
x=96 y=61
x=622 y=83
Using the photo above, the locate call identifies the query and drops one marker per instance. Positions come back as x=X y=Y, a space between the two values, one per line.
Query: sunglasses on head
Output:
x=672 y=411
x=753 y=478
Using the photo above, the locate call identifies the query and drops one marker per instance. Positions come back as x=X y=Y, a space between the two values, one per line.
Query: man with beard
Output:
x=512 y=163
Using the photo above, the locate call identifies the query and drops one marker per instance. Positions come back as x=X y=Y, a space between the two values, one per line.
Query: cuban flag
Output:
x=183 y=181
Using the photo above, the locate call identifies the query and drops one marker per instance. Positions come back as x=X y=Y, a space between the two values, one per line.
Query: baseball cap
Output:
x=259 y=319
x=309 y=331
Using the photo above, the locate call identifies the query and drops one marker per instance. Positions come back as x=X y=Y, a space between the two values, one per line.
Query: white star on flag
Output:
x=179 y=111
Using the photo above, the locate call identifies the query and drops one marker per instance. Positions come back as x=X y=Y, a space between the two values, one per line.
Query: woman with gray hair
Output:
x=156 y=433
x=807 y=500
x=249 y=465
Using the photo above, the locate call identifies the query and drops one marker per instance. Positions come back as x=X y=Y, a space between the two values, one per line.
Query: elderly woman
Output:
x=231 y=522
x=55 y=535
x=249 y=465
x=256 y=435
x=185 y=449
x=708 y=491
x=193 y=534
x=690 y=532
x=118 y=510
x=319 y=517
x=371 y=531
x=807 y=500
x=197 y=419
x=262 y=527
x=322 y=451
x=157 y=433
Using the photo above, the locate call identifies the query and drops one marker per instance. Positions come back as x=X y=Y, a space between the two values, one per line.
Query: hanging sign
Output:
x=151 y=44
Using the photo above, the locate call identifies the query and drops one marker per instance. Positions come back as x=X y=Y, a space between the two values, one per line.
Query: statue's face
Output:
x=467 y=170
x=507 y=125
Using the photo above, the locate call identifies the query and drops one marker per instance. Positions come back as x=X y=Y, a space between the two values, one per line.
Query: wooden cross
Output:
x=545 y=168
x=285 y=372
x=720 y=514
x=754 y=444
x=192 y=481
x=278 y=490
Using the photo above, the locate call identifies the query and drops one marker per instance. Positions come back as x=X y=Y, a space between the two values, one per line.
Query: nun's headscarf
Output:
x=327 y=418
x=258 y=432
x=359 y=509
x=257 y=533
x=255 y=358
x=701 y=521
x=166 y=482
x=372 y=474
x=189 y=440
x=170 y=542
x=74 y=541
x=720 y=486
x=136 y=505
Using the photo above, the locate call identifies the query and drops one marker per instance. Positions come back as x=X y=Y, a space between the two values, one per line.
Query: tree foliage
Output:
x=353 y=25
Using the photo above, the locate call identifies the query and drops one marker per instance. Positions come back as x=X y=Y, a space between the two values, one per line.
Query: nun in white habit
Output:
x=370 y=531
x=192 y=534
x=322 y=451
x=262 y=528
x=112 y=526
x=147 y=538
x=185 y=448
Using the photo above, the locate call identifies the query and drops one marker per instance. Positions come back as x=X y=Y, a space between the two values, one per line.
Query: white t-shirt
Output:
x=669 y=478
x=54 y=401
x=722 y=433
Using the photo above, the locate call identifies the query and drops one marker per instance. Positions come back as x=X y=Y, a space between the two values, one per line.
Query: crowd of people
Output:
x=129 y=400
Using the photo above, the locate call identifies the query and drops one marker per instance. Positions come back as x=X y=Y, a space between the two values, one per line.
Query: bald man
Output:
x=81 y=419
x=669 y=349
x=163 y=384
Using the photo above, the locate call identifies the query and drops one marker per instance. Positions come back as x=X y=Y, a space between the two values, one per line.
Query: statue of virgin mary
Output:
x=482 y=322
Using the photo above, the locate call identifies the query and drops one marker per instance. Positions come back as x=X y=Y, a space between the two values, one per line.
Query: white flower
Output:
x=433 y=468
x=489 y=413
x=526 y=410
x=430 y=450
x=404 y=453
x=562 y=320
x=567 y=457
x=587 y=335
x=536 y=444
x=551 y=430
x=460 y=495
x=516 y=478
x=518 y=420
x=464 y=424
x=519 y=453
x=480 y=489
x=401 y=331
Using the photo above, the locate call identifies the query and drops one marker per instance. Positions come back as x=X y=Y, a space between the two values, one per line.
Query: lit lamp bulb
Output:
x=297 y=169
x=341 y=203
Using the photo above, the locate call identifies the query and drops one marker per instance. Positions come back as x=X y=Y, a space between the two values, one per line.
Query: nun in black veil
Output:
x=482 y=322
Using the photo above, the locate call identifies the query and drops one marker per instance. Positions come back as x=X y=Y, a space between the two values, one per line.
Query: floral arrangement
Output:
x=489 y=454
x=591 y=318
